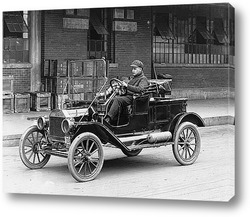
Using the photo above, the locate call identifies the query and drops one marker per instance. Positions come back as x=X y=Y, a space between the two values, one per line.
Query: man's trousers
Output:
x=117 y=104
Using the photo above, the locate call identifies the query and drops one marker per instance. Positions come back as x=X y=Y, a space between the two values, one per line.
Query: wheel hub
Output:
x=186 y=143
x=36 y=147
x=85 y=157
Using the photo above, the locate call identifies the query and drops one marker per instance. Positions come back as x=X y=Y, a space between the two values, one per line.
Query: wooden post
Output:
x=35 y=49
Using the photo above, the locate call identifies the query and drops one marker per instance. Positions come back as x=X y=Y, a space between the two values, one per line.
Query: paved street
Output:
x=153 y=174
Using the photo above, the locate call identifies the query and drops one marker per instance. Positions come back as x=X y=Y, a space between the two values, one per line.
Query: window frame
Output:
x=15 y=41
x=196 y=45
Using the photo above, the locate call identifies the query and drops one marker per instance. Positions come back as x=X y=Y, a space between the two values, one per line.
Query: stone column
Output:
x=35 y=49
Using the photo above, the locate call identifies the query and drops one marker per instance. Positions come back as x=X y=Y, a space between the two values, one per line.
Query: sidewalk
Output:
x=213 y=112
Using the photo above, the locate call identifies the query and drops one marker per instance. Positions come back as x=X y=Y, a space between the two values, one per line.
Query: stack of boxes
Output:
x=72 y=80
x=55 y=80
x=14 y=102
x=76 y=80
x=21 y=102
x=87 y=78
x=40 y=101
x=8 y=95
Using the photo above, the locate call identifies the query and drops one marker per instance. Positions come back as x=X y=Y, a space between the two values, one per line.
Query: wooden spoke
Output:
x=80 y=169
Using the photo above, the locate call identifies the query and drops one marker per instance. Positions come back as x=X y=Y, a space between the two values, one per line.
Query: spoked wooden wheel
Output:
x=31 y=148
x=85 y=158
x=187 y=143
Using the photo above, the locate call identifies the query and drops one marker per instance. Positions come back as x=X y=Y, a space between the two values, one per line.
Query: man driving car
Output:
x=135 y=86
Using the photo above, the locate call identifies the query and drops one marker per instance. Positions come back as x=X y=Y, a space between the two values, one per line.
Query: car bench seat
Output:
x=159 y=87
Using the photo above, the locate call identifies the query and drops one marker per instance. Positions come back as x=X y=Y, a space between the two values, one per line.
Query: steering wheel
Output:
x=117 y=86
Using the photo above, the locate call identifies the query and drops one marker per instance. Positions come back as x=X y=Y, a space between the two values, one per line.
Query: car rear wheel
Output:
x=85 y=157
x=31 y=146
x=187 y=143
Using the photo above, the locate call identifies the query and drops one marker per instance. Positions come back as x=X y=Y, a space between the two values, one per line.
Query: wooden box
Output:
x=8 y=84
x=58 y=100
x=76 y=68
x=60 y=85
x=77 y=96
x=88 y=96
x=40 y=101
x=49 y=67
x=8 y=103
x=81 y=85
x=47 y=84
x=62 y=68
x=21 y=102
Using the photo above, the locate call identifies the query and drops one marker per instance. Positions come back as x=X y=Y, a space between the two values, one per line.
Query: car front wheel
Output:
x=31 y=148
x=85 y=157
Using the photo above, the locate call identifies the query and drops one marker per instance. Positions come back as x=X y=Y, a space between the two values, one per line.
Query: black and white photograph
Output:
x=124 y=102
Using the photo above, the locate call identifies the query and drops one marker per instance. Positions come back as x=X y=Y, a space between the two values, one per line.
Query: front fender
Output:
x=102 y=132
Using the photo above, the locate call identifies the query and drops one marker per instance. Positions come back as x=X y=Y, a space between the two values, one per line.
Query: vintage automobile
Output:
x=78 y=131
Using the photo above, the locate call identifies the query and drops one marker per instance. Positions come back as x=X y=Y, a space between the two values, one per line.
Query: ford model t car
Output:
x=78 y=132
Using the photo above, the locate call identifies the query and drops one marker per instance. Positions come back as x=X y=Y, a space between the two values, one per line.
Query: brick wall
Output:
x=199 y=77
x=133 y=45
x=21 y=76
x=59 y=42
x=199 y=82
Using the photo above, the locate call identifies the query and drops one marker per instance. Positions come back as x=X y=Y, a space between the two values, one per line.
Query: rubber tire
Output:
x=178 y=157
x=22 y=155
x=84 y=136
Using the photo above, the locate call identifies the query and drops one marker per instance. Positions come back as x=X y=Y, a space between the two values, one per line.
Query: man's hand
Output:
x=99 y=95
x=124 y=84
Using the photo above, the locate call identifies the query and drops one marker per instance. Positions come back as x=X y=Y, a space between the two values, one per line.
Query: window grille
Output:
x=191 y=39
x=15 y=37
x=97 y=35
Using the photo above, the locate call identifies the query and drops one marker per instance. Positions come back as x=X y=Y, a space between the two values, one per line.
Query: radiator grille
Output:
x=55 y=126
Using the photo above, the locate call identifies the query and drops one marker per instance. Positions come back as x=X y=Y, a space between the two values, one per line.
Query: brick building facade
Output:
x=193 y=43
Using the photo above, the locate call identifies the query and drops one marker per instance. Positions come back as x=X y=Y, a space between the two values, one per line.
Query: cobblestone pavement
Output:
x=154 y=173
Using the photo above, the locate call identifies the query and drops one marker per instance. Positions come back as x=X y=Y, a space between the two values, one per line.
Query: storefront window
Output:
x=191 y=39
x=15 y=37
x=97 y=35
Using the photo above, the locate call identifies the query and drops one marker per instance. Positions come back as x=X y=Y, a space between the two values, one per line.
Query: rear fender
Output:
x=102 y=132
x=185 y=117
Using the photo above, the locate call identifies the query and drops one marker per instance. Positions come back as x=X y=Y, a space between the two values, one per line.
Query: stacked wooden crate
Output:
x=40 y=101
x=14 y=102
x=87 y=77
x=21 y=102
x=8 y=95
x=75 y=80
x=55 y=81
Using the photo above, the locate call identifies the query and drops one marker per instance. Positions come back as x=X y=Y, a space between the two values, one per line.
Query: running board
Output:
x=156 y=145
x=136 y=147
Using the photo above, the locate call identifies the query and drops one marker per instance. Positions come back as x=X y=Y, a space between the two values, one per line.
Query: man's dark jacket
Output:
x=137 y=84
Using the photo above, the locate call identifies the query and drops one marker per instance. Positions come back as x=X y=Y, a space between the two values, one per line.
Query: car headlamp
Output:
x=66 y=125
x=41 y=123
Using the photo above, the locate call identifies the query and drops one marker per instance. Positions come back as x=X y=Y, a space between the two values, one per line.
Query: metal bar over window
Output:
x=219 y=31
x=98 y=26
x=15 y=22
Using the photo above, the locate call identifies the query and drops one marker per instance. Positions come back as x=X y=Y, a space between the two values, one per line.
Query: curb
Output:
x=13 y=140
x=219 y=120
